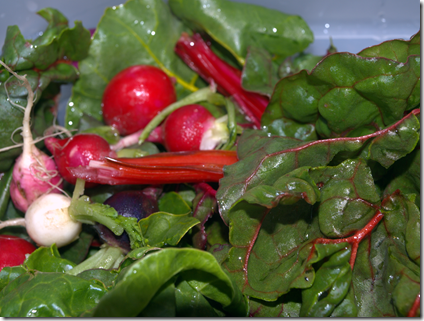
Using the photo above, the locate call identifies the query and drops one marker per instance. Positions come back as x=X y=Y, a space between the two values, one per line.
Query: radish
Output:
x=47 y=221
x=34 y=173
x=77 y=151
x=193 y=127
x=13 y=250
x=134 y=96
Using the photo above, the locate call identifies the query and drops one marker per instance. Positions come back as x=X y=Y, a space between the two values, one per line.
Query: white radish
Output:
x=34 y=173
x=47 y=221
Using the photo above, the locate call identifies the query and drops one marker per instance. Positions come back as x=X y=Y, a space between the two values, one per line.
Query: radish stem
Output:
x=13 y=222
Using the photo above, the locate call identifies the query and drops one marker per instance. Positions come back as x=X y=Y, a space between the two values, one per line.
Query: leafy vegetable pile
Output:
x=317 y=213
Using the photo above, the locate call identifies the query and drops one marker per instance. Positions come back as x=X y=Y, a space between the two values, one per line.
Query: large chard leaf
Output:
x=263 y=160
x=56 y=42
x=137 y=32
x=11 y=117
x=347 y=94
x=47 y=295
x=398 y=50
x=139 y=282
x=237 y=26
x=271 y=231
x=383 y=263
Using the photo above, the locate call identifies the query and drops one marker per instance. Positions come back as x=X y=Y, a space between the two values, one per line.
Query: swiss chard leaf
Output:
x=264 y=159
x=139 y=282
x=138 y=32
x=238 y=26
x=347 y=95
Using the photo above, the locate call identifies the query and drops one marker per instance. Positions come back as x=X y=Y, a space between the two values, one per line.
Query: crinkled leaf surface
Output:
x=139 y=282
x=237 y=26
x=332 y=283
x=348 y=197
x=264 y=159
x=42 y=294
x=137 y=32
x=56 y=42
x=348 y=95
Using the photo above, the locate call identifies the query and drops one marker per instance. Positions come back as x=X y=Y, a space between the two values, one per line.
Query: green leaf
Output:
x=406 y=176
x=77 y=250
x=107 y=277
x=5 y=180
x=289 y=128
x=56 y=42
x=348 y=197
x=148 y=32
x=238 y=26
x=141 y=281
x=346 y=93
x=11 y=117
x=287 y=305
x=259 y=72
x=302 y=61
x=165 y=229
x=163 y=304
x=263 y=159
x=398 y=50
x=47 y=259
x=173 y=202
x=332 y=282
x=191 y=303
x=9 y=273
x=41 y=294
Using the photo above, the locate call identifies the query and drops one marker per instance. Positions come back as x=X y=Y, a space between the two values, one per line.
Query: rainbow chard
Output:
x=163 y=168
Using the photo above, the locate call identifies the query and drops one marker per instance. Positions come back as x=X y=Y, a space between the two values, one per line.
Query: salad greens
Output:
x=320 y=215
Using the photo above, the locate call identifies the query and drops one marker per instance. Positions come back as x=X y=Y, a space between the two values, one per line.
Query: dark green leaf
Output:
x=49 y=295
x=287 y=305
x=289 y=128
x=348 y=197
x=141 y=281
x=238 y=26
x=345 y=93
x=332 y=282
x=138 y=32
x=191 y=303
x=163 y=304
x=5 y=180
x=77 y=250
x=11 y=117
x=107 y=277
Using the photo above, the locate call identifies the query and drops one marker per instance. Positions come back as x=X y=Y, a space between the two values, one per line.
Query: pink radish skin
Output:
x=34 y=173
x=30 y=180
x=192 y=128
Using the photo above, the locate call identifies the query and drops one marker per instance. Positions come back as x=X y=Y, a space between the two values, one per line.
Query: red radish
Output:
x=13 y=250
x=34 y=173
x=193 y=127
x=135 y=96
x=77 y=151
